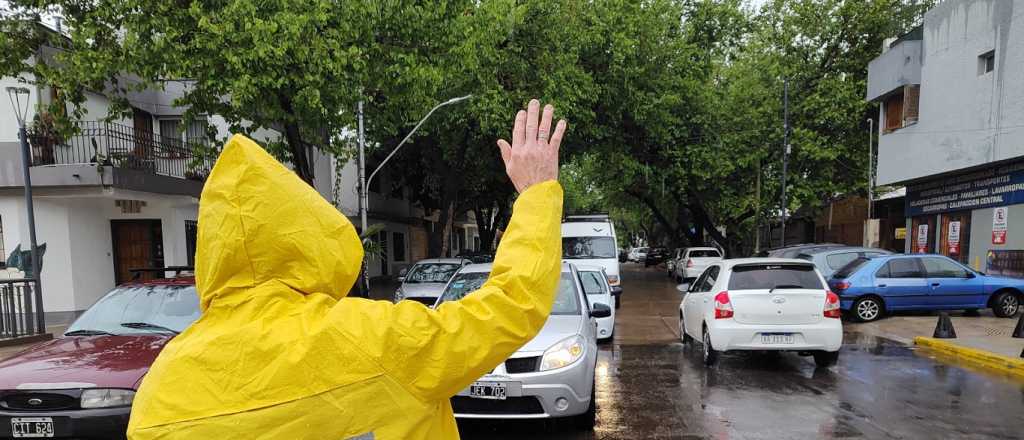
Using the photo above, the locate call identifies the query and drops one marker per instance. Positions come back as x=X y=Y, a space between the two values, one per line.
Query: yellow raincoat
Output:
x=280 y=353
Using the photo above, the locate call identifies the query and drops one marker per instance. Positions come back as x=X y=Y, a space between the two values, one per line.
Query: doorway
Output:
x=922 y=234
x=956 y=235
x=137 y=244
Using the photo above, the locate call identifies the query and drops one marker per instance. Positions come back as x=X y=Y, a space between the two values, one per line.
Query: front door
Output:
x=137 y=244
x=952 y=285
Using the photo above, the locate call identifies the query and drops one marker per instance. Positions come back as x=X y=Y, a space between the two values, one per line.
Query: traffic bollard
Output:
x=1019 y=331
x=944 y=327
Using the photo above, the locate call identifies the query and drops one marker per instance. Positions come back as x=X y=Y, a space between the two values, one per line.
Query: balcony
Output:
x=119 y=156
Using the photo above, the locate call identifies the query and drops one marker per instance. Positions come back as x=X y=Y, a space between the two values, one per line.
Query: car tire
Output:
x=587 y=420
x=683 y=336
x=710 y=355
x=1006 y=304
x=867 y=309
x=826 y=358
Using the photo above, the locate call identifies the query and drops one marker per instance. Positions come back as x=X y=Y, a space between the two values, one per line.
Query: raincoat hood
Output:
x=263 y=224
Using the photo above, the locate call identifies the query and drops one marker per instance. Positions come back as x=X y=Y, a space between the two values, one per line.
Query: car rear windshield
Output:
x=850 y=268
x=772 y=276
x=588 y=247
x=163 y=307
x=704 y=253
x=432 y=273
x=566 y=301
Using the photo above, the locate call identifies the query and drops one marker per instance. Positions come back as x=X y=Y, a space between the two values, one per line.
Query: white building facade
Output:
x=951 y=130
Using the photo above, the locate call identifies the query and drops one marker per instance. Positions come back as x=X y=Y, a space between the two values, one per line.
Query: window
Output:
x=943 y=268
x=986 y=62
x=709 y=281
x=591 y=282
x=566 y=300
x=398 y=243
x=704 y=253
x=772 y=276
x=194 y=133
x=911 y=104
x=191 y=232
x=893 y=113
x=904 y=268
x=901 y=108
x=837 y=261
x=588 y=247
x=852 y=267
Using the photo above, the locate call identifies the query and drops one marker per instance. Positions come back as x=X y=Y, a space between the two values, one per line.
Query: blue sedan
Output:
x=870 y=287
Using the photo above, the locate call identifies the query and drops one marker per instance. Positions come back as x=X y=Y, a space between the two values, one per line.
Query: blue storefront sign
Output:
x=994 y=186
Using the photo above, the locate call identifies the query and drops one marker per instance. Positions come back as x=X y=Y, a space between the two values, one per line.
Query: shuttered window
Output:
x=911 y=98
x=894 y=112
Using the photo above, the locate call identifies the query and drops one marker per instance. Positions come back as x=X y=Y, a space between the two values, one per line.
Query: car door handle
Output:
x=881 y=285
x=935 y=284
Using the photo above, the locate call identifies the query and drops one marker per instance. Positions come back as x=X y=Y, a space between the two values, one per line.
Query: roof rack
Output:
x=137 y=272
x=598 y=217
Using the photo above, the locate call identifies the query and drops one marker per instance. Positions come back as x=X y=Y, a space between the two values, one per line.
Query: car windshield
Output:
x=566 y=301
x=432 y=273
x=850 y=268
x=588 y=247
x=140 y=309
x=774 y=276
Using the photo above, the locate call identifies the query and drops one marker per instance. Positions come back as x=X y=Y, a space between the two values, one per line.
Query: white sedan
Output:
x=763 y=304
x=595 y=284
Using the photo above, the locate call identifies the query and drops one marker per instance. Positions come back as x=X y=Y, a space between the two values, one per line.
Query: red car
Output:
x=82 y=385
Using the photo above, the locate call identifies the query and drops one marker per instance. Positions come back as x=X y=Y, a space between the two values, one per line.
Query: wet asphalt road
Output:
x=651 y=386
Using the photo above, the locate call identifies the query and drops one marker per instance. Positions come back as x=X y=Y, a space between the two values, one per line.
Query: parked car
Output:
x=477 y=257
x=870 y=287
x=82 y=384
x=638 y=254
x=693 y=261
x=830 y=259
x=552 y=376
x=792 y=251
x=655 y=256
x=762 y=304
x=595 y=285
x=673 y=260
x=426 y=279
x=590 y=239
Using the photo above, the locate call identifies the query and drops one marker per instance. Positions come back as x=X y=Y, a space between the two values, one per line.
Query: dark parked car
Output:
x=82 y=384
x=869 y=287
x=655 y=256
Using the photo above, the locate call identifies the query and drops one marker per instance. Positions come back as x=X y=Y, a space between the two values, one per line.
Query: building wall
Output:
x=966 y=118
x=981 y=234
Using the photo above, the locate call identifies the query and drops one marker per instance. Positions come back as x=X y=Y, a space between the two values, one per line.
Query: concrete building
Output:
x=951 y=106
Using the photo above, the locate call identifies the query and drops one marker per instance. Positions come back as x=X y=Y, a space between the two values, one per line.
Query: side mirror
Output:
x=683 y=288
x=600 y=310
x=971 y=275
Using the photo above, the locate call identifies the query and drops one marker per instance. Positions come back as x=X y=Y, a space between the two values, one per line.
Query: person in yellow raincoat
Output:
x=279 y=351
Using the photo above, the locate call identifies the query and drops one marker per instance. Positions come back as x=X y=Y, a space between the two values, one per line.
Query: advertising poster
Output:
x=1006 y=263
x=954 y=238
x=999 y=222
x=922 y=239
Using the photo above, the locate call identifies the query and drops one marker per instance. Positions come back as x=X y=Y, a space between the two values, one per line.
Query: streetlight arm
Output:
x=386 y=159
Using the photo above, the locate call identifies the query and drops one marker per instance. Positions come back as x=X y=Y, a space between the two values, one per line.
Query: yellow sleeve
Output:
x=437 y=353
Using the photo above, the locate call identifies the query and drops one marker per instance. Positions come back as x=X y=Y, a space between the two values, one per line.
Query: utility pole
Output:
x=21 y=114
x=871 y=166
x=757 y=209
x=785 y=157
x=364 y=279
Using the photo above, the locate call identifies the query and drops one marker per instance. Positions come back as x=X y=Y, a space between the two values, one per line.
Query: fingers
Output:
x=506 y=150
x=556 y=139
x=532 y=112
x=544 y=131
x=519 y=130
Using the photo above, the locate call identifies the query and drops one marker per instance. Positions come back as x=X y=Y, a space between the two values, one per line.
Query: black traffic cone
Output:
x=944 y=328
x=1019 y=331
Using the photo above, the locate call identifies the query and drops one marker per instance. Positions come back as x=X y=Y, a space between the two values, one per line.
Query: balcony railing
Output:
x=122 y=146
x=18 y=309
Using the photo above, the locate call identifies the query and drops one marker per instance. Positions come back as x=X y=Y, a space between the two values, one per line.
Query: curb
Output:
x=980 y=358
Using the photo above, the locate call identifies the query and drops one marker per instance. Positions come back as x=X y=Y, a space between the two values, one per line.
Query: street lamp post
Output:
x=16 y=94
x=364 y=181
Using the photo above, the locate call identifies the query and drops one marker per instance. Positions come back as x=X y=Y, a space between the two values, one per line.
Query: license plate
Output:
x=776 y=338
x=32 y=427
x=488 y=390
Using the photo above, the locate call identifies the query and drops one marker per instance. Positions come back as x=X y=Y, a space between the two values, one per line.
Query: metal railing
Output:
x=18 y=309
x=122 y=146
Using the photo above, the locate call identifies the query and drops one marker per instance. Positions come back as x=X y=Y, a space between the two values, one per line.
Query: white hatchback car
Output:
x=594 y=280
x=764 y=304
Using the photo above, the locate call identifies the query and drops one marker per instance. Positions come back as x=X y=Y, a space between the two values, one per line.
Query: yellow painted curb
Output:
x=976 y=357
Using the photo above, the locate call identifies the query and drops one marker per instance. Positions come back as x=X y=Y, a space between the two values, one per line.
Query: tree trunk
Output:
x=488 y=221
x=297 y=148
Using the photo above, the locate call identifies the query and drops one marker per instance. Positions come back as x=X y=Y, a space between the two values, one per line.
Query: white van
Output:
x=590 y=240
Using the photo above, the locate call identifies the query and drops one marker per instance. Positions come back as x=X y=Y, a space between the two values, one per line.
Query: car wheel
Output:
x=826 y=358
x=1005 y=305
x=867 y=309
x=587 y=420
x=687 y=339
x=710 y=354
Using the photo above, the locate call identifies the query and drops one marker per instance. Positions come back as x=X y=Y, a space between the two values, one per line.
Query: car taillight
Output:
x=841 y=285
x=613 y=280
x=689 y=263
x=723 y=307
x=832 y=305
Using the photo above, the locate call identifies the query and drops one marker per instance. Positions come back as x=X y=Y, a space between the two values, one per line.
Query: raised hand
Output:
x=533 y=156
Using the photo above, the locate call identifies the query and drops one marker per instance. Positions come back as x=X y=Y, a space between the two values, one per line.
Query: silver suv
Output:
x=553 y=374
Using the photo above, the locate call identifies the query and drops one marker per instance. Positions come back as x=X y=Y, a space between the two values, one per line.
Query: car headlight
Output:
x=613 y=280
x=106 y=398
x=563 y=354
x=399 y=295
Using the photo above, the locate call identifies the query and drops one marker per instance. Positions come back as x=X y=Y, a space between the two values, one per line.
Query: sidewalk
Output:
x=982 y=341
